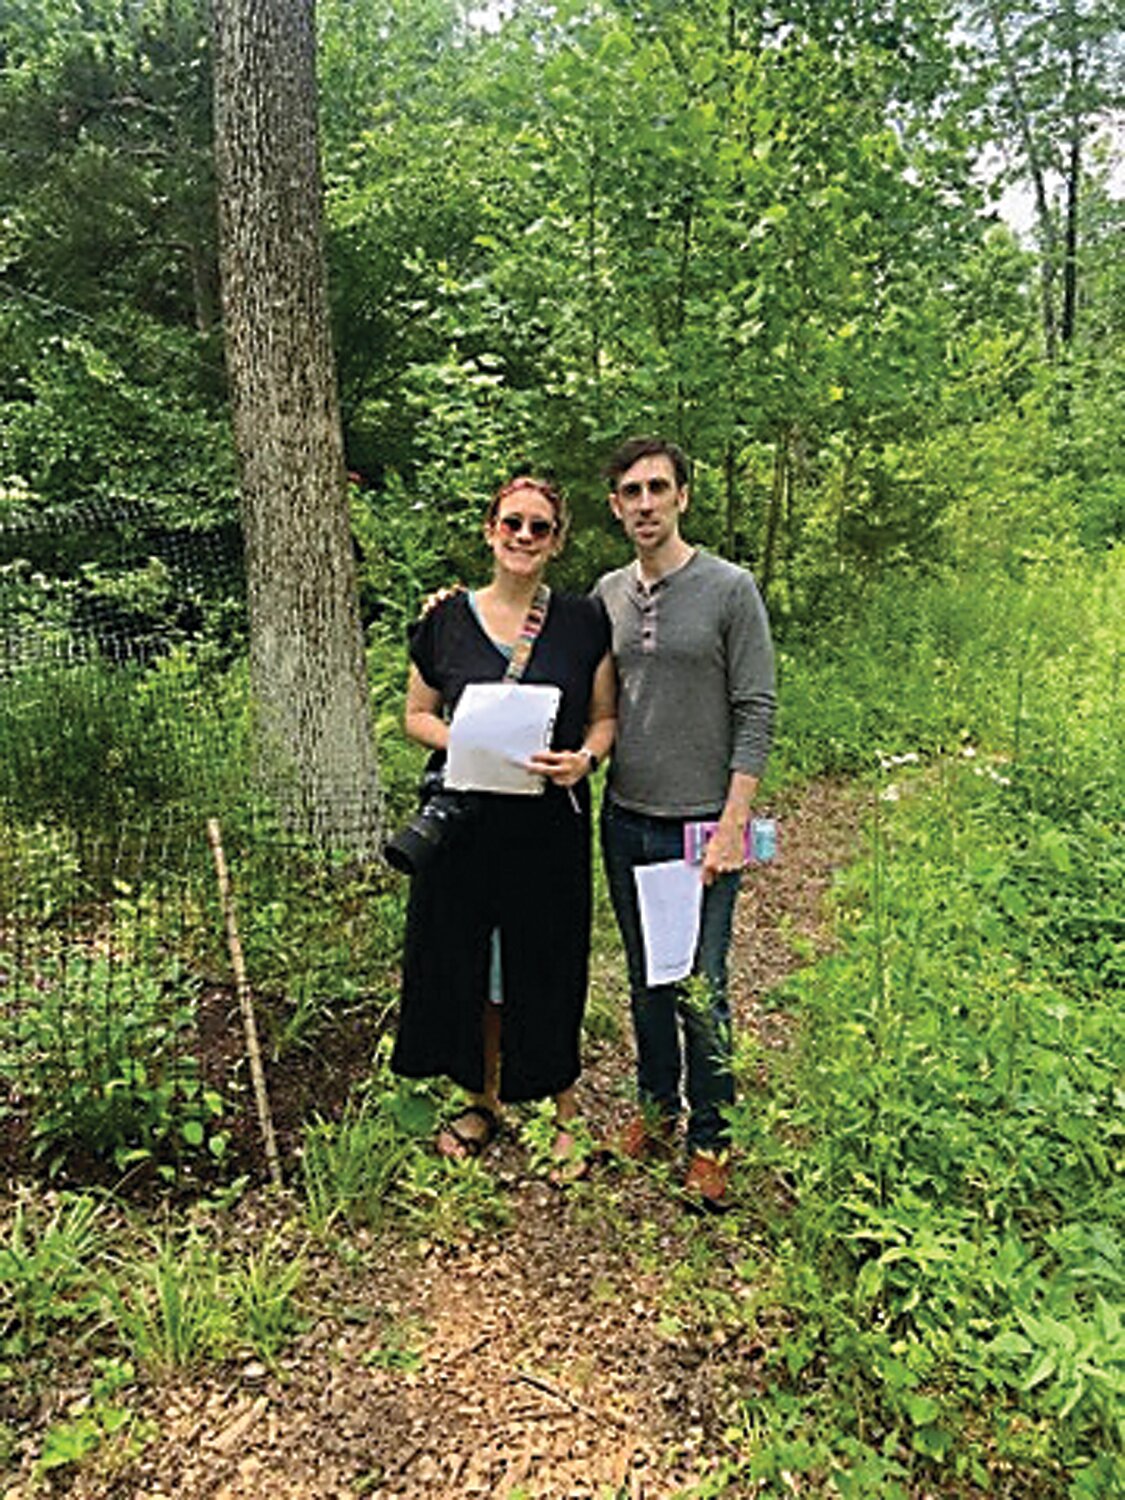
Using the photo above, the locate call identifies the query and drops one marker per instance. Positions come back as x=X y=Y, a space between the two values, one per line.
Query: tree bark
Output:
x=306 y=648
x=1043 y=218
x=778 y=490
x=1073 y=182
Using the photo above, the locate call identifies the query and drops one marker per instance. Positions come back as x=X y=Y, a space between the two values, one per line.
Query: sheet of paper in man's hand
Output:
x=670 y=896
x=496 y=727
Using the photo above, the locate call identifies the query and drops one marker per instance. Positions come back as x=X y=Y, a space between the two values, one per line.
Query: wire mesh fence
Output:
x=121 y=1048
x=113 y=582
x=122 y=731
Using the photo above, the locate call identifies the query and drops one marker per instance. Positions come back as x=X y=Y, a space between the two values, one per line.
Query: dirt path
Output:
x=567 y=1356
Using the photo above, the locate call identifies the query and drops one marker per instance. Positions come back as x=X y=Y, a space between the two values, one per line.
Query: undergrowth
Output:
x=931 y=1234
x=948 y=1126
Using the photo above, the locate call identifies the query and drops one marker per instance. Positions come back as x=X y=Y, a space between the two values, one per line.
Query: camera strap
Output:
x=529 y=634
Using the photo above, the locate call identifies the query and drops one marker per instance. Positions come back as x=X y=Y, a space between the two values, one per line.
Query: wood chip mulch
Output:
x=571 y=1354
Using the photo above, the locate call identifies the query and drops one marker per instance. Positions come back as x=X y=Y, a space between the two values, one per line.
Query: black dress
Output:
x=520 y=864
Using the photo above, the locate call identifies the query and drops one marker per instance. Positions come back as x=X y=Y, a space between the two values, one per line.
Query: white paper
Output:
x=670 y=896
x=495 y=729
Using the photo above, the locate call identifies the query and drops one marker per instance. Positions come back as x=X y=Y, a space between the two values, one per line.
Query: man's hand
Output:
x=723 y=852
x=431 y=601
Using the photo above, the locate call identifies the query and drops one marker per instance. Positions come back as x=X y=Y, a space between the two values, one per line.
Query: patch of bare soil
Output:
x=566 y=1356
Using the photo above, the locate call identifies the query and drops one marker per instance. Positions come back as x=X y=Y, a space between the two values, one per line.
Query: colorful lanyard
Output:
x=521 y=651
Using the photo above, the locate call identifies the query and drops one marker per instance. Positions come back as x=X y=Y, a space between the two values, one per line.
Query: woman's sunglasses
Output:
x=513 y=523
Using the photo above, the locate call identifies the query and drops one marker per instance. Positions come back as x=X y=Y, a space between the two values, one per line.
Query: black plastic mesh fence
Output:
x=121 y=1044
x=113 y=580
x=121 y=1047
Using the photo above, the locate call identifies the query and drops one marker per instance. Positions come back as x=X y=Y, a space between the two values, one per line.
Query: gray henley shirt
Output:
x=695 y=680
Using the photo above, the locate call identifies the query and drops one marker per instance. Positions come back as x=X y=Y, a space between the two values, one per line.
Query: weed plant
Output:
x=172 y=1308
x=45 y=1280
x=85 y=1290
x=377 y=1162
x=97 y=1027
x=105 y=1421
x=187 y=1300
x=948 y=1129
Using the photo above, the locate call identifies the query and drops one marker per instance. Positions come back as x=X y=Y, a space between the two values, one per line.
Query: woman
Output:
x=498 y=927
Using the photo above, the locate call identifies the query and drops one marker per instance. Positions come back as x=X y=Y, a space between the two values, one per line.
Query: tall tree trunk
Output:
x=778 y=490
x=1073 y=183
x=1044 y=222
x=306 y=648
x=729 y=500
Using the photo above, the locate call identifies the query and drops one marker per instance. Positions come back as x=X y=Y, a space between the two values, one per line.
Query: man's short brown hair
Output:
x=634 y=448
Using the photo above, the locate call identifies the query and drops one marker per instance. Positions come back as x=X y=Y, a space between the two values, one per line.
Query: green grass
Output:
x=950 y=1253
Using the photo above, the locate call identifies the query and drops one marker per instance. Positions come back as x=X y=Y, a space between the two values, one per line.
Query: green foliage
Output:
x=320 y=935
x=75 y=1277
x=958 y=658
x=97 y=746
x=72 y=1443
x=349 y=1170
x=108 y=194
x=45 y=1276
x=52 y=1289
x=102 y=1058
x=949 y=1125
x=105 y=874
x=264 y=1292
x=760 y=230
x=538 y=1133
x=597 y=222
x=378 y=1161
x=187 y=1302
x=109 y=412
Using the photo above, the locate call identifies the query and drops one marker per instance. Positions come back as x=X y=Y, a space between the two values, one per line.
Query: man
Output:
x=694 y=659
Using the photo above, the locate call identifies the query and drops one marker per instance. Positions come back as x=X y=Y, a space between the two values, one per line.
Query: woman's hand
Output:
x=563 y=767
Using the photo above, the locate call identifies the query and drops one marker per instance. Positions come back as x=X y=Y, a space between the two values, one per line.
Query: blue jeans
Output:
x=630 y=839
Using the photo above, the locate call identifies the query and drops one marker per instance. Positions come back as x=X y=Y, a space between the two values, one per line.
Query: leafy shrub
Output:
x=100 y=1053
x=948 y=1127
x=95 y=745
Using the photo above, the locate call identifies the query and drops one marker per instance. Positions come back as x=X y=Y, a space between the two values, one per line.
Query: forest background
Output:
x=770 y=232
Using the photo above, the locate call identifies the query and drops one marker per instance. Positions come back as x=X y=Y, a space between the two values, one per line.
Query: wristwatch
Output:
x=592 y=758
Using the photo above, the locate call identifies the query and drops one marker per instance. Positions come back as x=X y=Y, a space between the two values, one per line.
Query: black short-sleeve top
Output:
x=450 y=648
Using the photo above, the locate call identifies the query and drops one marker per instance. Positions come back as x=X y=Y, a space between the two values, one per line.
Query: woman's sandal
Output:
x=455 y=1143
x=571 y=1153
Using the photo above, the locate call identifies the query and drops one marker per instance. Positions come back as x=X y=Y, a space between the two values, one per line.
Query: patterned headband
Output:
x=526 y=482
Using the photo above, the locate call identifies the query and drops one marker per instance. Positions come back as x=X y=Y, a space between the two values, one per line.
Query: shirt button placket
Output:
x=648 y=623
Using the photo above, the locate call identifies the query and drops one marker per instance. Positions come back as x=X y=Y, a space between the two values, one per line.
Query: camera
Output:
x=441 y=818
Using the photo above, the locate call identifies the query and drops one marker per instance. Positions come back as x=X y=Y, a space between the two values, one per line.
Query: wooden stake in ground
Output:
x=245 y=1001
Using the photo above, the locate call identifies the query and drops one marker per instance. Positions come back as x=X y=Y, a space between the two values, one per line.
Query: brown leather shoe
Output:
x=643 y=1139
x=707 y=1183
